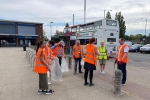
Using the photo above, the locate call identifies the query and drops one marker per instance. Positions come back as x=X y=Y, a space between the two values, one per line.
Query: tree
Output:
x=138 y=37
x=67 y=25
x=122 y=25
x=132 y=37
x=127 y=37
x=108 y=15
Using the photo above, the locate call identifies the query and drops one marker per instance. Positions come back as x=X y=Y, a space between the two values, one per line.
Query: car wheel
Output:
x=141 y=52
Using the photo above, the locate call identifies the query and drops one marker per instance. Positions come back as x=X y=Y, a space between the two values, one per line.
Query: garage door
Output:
x=25 y=29
x=7 y=28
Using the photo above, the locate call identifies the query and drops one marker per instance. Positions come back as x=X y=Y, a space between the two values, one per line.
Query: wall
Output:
x=39 y=31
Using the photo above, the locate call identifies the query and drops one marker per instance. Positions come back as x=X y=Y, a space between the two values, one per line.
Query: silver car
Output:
x=145 y=48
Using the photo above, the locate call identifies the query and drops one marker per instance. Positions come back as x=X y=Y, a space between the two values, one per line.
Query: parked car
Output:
x=129 y=43
x=135 y=48
x=145 y=48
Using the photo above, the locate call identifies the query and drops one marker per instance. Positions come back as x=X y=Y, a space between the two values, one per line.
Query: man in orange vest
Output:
x=122 y=58
x=77 y=54
x=58 y=50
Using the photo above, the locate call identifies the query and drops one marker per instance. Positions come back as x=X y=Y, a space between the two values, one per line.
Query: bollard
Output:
x=69 y=61
x=117 y=82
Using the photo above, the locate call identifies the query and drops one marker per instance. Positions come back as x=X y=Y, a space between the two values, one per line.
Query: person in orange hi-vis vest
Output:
x=122 y=58
x=48 y=51
x=77 y=54
x=41 y=68
x=90 y=60
x=58 y=50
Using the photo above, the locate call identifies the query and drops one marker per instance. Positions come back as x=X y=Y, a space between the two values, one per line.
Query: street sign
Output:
x=72 y=37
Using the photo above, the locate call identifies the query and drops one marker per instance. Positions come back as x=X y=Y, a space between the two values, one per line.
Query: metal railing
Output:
x=31 y=56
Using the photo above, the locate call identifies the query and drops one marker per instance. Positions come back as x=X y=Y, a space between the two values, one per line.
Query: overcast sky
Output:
x=61 y=11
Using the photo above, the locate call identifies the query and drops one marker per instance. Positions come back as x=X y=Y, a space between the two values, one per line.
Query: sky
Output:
x=61 y=11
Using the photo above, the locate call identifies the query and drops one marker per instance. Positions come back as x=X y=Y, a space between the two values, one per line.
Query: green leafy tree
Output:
x=127 y=37
x=108 y=15
x=122 y=25
x=138 y=37
x=132 y=37
x=67 y=25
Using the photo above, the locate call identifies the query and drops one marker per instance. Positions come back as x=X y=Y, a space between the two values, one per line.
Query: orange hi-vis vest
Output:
x=56 y=50
x=48 y=51
x=121 y=53
x=90 y=56
x=78 y=52
x=40 y=67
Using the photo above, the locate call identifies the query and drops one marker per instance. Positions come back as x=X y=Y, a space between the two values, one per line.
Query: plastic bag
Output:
x=56 y=72
x=82 y=62
x=64 y=65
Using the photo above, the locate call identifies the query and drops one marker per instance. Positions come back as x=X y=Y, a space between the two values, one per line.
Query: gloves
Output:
x=116 y=60
x=120 y=62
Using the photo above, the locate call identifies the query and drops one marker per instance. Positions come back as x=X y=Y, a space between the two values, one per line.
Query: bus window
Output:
x=111 y=39
x=87 y=41
x=82 y=41
x=90 y=27
x=98 y=25
x=74 y=30
x=67 y=30
x=111 y=23
x=82 y=28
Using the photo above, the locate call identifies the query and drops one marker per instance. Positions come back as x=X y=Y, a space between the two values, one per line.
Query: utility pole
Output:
x=73 y=19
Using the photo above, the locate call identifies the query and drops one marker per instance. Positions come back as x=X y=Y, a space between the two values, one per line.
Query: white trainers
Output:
x=100 y=72
x=123 y=84
x=49 y=83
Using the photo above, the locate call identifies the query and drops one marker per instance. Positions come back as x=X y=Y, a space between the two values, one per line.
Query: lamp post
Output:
x=145 y=27
x=84 y=11
x=104 y=12
x=50 y=30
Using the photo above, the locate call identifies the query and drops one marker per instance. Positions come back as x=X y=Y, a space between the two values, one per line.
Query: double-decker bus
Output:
x=106 y=30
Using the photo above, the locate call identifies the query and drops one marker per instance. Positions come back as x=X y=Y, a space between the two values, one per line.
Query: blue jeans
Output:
x=76 y=60
x=124 y=73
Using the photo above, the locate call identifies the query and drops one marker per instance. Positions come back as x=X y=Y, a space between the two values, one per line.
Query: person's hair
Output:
x=122 y=39
x=92 y=40
x=39 y=45
x=51 y=42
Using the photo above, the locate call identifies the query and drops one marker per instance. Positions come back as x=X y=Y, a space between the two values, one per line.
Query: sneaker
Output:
x=103 y=72
x=86 y=84
x=100 y=72
x=123 y=84
x=48 y=92
x=49 y=83
x=91 y=84
x=75 y=72
x=41 y=91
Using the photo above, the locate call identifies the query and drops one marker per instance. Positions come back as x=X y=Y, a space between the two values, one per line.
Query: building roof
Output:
x=14 y=21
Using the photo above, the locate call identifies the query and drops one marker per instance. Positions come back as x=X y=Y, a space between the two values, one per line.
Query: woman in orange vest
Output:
x=48 y=51
x=58 y=50
x=41 y=68
x=90 y=60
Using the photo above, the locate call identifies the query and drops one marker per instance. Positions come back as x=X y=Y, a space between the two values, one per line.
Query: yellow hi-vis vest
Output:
x=103 y=52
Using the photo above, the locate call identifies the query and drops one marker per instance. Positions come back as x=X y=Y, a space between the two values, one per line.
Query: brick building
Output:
x=19 y=33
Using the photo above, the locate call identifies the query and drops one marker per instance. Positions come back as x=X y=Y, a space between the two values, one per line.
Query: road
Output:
x=141 y=60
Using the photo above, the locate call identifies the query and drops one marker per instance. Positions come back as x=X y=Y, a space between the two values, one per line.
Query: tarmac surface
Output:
x=19 y=82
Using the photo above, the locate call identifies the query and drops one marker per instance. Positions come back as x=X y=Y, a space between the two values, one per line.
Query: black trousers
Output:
x=60 y=58
x=76 y=62
x=86 y=75
x=124 y=73
x=43 y=83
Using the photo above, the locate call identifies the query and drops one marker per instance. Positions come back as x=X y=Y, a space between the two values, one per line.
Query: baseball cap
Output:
x=62 y=43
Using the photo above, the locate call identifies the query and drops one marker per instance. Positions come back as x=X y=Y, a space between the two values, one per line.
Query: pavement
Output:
x=19 y=82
